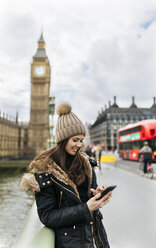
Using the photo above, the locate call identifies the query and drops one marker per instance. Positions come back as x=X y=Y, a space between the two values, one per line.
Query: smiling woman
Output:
x=65 y=187
x=74 y=143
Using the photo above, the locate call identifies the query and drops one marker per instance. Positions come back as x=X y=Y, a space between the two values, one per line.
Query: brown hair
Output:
x=72 y=165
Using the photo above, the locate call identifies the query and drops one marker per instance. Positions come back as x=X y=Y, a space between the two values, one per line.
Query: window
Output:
x=132 y=130
x=152 y=144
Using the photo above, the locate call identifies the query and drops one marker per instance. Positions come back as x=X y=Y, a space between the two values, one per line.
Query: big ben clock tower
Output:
x=40 y=90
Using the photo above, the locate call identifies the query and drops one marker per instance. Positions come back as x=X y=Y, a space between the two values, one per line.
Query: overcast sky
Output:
x=97 y=49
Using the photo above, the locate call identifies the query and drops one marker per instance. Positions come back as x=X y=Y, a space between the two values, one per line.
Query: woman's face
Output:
x=74 y=144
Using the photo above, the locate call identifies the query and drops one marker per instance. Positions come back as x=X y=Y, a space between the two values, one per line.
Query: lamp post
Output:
x=51 y=140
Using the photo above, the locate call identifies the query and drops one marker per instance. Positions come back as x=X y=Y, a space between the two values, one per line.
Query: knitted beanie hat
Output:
x=68 y=124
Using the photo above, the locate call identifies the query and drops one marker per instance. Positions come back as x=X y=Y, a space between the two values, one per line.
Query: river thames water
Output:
x=14 y=205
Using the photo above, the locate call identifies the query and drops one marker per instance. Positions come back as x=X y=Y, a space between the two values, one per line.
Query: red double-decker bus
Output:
x=132 y=137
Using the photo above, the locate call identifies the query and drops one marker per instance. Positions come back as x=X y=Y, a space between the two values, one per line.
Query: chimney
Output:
x=133 y=105
x=115 y=104
x=154 y=102
x=133 y=98
x=16 y=117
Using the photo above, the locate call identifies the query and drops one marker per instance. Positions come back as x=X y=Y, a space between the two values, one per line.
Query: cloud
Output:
x=96 y=50
x=149 y=20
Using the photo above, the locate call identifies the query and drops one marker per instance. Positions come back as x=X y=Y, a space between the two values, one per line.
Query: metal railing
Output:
x=34 y=234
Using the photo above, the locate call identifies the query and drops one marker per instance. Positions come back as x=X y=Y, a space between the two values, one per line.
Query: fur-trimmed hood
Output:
x=29 y=182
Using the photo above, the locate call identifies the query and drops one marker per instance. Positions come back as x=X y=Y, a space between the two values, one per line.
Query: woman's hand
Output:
x=99 y=189
x=93 y=203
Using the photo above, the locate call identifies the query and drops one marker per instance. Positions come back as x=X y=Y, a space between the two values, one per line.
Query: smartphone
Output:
x=108 y=189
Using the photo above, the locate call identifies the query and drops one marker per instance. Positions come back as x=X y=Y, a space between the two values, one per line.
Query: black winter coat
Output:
x=59 y=207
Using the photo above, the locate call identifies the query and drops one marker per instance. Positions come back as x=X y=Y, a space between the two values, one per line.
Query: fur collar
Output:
x=29 y=183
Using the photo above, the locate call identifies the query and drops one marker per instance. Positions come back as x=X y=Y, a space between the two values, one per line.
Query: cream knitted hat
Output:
x=68 y=124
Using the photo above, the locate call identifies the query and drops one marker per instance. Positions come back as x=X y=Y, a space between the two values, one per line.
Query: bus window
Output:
x=136 y=145
x=130 y=146
x=153 y=144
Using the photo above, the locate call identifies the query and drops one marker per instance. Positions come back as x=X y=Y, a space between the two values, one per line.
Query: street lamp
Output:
x=51 y=140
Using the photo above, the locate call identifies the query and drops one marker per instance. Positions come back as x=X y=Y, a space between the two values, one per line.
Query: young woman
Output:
x=65 y=187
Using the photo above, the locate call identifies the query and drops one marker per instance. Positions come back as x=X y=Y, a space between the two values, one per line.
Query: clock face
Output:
x=39 y=70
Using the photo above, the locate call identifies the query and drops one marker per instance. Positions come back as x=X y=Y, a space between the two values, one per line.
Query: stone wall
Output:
x=13 y=139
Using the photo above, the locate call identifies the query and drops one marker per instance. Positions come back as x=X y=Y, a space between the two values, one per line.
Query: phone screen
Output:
x=108 y=189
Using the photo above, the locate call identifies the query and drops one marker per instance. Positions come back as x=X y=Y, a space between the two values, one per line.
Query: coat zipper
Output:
x=98 y=236
x=65 y=188
x=100 y=239
x=61 y=193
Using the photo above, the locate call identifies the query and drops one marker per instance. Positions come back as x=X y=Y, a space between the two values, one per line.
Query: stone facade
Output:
x=105 y=129
x=26 y=139
x=13 y=139
x=39 y=131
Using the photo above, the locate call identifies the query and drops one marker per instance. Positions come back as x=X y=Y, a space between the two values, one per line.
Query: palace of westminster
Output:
x=24 y=140
x=21 y=140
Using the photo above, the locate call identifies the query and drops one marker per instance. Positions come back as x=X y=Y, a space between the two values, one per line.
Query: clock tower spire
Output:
x=41 y=42
x=40 y=92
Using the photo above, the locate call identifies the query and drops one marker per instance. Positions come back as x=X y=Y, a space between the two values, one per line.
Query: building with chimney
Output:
x=105 y=128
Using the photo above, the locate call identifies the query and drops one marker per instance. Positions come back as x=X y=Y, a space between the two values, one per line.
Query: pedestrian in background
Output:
x=65 y=187
x=146 y=151
x=98 y=155
x=88 y=151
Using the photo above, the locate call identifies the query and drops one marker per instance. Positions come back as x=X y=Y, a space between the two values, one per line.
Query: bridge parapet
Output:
x=34 y=234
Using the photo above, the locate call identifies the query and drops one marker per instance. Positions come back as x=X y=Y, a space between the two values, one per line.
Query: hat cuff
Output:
x=69 y=132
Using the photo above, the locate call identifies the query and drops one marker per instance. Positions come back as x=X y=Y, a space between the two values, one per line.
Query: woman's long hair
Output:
x=72 y=165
